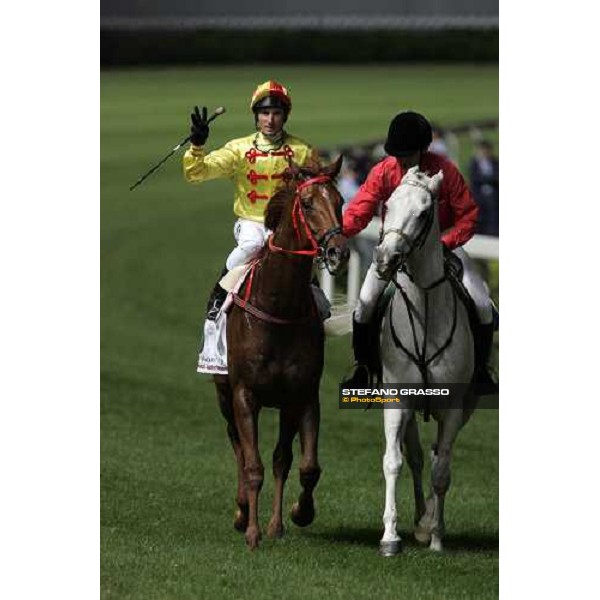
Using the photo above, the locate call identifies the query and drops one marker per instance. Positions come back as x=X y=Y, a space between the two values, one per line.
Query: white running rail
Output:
x=485 y=247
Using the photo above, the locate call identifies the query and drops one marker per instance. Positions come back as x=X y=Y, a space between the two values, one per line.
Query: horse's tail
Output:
x=340 y=322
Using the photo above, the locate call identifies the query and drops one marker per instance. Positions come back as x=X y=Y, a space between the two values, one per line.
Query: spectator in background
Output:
x=348 y=181
x=483 y=171
x=348 y=185
x=362 y=162
x=438 y=143
x=377 y=153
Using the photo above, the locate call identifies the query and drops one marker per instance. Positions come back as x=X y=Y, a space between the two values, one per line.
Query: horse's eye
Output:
x=307 y=204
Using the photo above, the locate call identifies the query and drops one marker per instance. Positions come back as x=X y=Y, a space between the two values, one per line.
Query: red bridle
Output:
x=298 y=214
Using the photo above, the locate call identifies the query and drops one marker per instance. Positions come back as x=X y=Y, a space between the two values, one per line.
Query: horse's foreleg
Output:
x=414 y=458
x=246 y=420
x=241 y=516
x=282 y=462
x=226 y=405
x=394 y=422
x=303 y=511
x=440 y=474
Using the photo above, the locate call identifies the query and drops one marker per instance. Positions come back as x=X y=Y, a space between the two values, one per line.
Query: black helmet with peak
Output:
x=409 y=132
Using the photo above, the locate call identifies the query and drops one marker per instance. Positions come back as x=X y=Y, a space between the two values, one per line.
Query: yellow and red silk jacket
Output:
x=255 y=174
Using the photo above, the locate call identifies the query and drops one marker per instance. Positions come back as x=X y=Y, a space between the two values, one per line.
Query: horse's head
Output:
x=408 y=221
x=319 y=205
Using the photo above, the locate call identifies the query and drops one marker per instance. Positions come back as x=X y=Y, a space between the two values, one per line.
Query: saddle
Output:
x=454 y=272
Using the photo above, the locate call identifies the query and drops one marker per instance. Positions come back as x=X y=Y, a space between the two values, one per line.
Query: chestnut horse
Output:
x=275 y=343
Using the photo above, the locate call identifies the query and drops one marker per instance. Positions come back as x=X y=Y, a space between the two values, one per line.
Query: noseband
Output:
x=318 y=243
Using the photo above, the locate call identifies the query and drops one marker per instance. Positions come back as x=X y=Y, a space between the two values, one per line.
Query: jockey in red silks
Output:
x=255 y=164
x=408 y=138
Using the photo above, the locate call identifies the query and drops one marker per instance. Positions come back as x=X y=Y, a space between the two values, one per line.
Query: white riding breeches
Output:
x=373 y=286
x=250 y=237
x=476 y=286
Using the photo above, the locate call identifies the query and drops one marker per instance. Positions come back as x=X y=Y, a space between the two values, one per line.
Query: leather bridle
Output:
x=421 y=237
x=318 y=243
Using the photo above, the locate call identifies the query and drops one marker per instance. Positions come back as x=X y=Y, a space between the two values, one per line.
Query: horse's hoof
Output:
x=422 y=535
x=252 y=538
x=303 y=516
x=436 y=544
x=275 y=530
x=390 y=548
x=240 y=522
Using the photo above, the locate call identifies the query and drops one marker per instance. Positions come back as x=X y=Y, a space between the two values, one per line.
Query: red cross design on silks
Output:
x=253 y=153
x=253 y=196
x=286 y=151
x=281 y=175
x=253 y=176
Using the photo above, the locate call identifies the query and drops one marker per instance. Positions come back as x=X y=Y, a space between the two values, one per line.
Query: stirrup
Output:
x=215 y=302
x=213 y=313
x=214 y=310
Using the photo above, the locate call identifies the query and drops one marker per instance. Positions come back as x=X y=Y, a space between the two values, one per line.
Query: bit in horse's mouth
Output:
x=386 y=269
x=383 y=272
x=335 y=258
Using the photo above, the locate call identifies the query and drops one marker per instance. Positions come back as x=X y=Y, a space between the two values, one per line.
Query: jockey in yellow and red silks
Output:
x=256 y=164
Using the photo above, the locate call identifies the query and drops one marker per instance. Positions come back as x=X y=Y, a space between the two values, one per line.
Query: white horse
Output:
x=425 y=338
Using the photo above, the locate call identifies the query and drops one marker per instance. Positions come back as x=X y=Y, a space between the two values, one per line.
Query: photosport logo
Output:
x=415 y=396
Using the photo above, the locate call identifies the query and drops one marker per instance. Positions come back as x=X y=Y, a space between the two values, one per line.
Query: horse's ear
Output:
x=332 y=170
x=435 y=182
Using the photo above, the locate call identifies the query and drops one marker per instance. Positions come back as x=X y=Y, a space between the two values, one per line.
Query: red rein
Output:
x=298 y=214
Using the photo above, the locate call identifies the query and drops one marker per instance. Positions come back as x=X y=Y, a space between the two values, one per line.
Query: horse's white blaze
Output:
x=408 y=209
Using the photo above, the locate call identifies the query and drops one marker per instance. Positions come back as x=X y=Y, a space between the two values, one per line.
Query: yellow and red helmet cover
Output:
x=271 y=88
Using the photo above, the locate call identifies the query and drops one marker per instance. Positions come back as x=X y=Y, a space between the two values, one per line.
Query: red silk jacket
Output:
x=456 y=207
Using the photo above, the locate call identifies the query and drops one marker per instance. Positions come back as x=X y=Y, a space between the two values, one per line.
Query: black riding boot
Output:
x=362 y=337
x=217 y=297
x=484 y=382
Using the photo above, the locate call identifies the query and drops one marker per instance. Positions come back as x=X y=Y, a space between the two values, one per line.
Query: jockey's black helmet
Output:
x=409 y=132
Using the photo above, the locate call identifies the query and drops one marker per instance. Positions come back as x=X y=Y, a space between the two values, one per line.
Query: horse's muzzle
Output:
x=336 y=254
x=386 y=262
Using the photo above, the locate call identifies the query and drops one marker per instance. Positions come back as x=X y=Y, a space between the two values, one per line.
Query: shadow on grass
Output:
x=363 y=536
x=472 y=542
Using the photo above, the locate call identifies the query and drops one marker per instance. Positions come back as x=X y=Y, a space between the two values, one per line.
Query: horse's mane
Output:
x=285 y=194
x=276 y=206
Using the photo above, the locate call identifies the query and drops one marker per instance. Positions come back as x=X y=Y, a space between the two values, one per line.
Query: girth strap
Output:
x=263 y=316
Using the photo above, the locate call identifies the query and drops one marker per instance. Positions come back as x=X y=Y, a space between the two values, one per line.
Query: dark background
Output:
x=185 y=32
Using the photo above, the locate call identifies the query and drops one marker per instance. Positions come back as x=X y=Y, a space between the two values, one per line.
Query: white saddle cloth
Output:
x=212 y=359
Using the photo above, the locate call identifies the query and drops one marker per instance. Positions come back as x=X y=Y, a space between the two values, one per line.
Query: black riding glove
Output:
x=199 y=127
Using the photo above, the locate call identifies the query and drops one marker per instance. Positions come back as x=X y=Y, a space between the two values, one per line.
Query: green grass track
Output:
x=168 y=472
